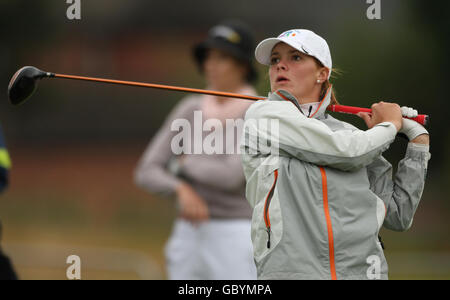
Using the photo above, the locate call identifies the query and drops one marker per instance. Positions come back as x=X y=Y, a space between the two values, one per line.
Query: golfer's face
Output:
x=292 y=70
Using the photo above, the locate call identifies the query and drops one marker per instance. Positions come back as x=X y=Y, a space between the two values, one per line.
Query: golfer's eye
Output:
x=296 y=57
x=274 y=60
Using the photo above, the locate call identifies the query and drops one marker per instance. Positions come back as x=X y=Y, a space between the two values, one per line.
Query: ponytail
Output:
x=326 y=84
x=324 y=90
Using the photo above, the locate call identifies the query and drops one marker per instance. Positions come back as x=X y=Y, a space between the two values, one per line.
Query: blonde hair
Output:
x=324 y=90
x=326 y=84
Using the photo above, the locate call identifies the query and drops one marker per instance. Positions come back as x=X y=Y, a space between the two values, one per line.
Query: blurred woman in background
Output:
x=211 y=236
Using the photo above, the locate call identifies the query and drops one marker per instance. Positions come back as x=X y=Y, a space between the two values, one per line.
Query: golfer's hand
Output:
x=415 y=132
x=383 y=112
x=192 y=207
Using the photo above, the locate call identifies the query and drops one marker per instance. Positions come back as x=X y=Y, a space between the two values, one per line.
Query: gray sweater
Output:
x=217 y=178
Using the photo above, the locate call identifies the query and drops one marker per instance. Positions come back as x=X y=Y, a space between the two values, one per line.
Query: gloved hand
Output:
x=411 y=128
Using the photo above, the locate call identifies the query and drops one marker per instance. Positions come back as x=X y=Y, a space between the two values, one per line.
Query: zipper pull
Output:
x=268 y=239
x=310 y=109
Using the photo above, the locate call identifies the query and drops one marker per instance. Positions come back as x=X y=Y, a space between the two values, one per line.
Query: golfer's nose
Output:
x=281 y=65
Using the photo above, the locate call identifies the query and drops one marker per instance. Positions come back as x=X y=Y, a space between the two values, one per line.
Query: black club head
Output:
x=23 y=84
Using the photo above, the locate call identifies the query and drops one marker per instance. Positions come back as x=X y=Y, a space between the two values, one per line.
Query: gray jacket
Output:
x=321 y=190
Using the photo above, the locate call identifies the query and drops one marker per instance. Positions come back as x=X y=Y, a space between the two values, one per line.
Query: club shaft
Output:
x=160 y=86
x=422 y=119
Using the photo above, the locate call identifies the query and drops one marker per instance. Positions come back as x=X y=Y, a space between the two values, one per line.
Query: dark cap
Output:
x=234 y=38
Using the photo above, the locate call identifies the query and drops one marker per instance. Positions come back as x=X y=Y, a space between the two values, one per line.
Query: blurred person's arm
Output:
x=152 y=172
x=190 y=205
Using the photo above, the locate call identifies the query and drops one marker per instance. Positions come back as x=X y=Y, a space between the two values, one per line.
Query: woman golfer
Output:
x=211 y=236
x=323 y=191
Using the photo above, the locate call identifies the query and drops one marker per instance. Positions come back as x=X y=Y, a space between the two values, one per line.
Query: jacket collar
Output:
x=282 y=95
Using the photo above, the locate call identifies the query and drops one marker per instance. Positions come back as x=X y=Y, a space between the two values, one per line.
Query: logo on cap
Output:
x=288 y=33
x=306 y=51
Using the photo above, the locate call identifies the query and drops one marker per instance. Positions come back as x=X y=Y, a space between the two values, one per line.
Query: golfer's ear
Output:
x=323 y=74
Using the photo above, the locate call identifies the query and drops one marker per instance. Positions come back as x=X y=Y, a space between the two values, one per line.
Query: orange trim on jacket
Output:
x=267 y=201
x=329 y=225
x=321 y=102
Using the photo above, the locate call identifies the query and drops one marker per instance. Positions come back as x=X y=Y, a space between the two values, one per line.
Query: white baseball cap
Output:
x=303 y=40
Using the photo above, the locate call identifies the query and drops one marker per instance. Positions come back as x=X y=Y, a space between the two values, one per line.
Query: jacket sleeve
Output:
x=402 y=194
x=294 y=135
x=152 y=172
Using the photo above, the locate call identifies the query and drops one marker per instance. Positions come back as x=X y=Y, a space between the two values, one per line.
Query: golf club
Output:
x=24 y=82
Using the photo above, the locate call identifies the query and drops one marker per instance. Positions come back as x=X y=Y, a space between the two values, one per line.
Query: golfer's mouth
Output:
x=281 y=79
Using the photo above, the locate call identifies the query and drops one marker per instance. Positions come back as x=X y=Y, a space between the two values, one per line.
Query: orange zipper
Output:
x=266 y=207
x=329 y=226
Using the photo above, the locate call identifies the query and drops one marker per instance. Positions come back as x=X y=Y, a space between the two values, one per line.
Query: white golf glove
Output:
x=411 y=128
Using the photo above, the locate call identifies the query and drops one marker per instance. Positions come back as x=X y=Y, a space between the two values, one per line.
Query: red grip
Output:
x=421 y=119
